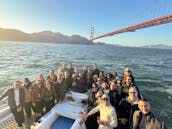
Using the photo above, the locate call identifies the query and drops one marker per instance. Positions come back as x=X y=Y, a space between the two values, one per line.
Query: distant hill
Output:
x=43 y=37
x=158 y=46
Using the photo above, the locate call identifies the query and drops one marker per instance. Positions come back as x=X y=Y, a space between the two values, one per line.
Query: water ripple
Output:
x=151 y=67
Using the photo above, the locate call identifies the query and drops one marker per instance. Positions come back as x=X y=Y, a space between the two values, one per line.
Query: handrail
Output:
x=6 y=121
x=4 y=111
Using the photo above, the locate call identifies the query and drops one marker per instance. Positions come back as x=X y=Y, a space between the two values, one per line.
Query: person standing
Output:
x=95 y=70
x=49 y=96
x=16 y=102
x=108 y=117
x=27 y=85
x=91 y=122
x=127 y=106
x=145 y=119
x=37 y=101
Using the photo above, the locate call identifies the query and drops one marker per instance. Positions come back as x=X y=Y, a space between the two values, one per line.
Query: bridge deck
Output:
x=153 y=22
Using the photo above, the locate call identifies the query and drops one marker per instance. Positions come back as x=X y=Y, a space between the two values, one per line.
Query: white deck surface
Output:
x=66 y=108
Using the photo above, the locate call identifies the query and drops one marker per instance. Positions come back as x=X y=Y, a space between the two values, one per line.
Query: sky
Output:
x=76 y=17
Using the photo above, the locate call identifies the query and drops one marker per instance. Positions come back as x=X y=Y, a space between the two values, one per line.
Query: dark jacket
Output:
x=114 y=98
x=96 y=71
x=91 y=101
x=61 y=90
x=36 y=94
x=48 y=95
x=126 y=110
x=151 y=121
x=11 y=97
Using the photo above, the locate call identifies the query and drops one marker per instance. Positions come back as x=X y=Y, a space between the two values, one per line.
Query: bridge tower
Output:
x=91 y=33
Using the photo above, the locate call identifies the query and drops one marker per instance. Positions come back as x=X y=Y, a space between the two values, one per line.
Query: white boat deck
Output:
x=67 y=108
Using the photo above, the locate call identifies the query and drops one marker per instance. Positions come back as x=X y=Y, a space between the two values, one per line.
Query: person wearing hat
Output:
x=108 y=117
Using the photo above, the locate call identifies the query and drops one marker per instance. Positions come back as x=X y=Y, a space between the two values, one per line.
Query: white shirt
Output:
x=107 y=114
x=16 y=97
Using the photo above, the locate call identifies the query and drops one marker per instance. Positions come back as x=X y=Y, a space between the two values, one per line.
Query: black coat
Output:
x=126 y=110
x=114 y=98
x=11 y=97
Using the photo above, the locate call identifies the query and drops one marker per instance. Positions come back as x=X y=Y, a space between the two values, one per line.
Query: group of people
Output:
x=113 y=102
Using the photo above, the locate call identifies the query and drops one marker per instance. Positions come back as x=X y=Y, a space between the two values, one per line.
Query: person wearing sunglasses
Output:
x=108 y=117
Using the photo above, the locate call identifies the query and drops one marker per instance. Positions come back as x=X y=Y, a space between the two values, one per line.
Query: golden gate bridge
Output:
x=133 y=28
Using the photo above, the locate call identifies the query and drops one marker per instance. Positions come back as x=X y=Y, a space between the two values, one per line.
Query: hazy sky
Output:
x=77 y=16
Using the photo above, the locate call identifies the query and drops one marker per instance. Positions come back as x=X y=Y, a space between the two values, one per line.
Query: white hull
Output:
x=68 y=109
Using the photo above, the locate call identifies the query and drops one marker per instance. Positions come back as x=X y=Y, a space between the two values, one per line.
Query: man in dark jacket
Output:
x=144 y=119
x=16 y=102
x=95 y=70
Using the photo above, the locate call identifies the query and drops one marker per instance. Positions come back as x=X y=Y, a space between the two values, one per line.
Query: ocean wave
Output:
x=34 y=65
x=151 y=68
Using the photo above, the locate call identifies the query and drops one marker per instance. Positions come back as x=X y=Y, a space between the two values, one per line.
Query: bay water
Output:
x=152 y=68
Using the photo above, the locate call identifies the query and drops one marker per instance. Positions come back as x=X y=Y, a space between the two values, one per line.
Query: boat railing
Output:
x=6 y=118
x=4 y=111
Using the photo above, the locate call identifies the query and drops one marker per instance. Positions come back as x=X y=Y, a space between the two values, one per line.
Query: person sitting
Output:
x=144 y=118
x=16 y=97
x=108 y=117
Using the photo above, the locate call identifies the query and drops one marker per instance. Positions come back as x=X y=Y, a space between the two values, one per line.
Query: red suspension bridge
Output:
x=153 y=22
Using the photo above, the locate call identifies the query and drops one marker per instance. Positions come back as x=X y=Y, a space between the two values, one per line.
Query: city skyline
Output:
x=78 y=16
